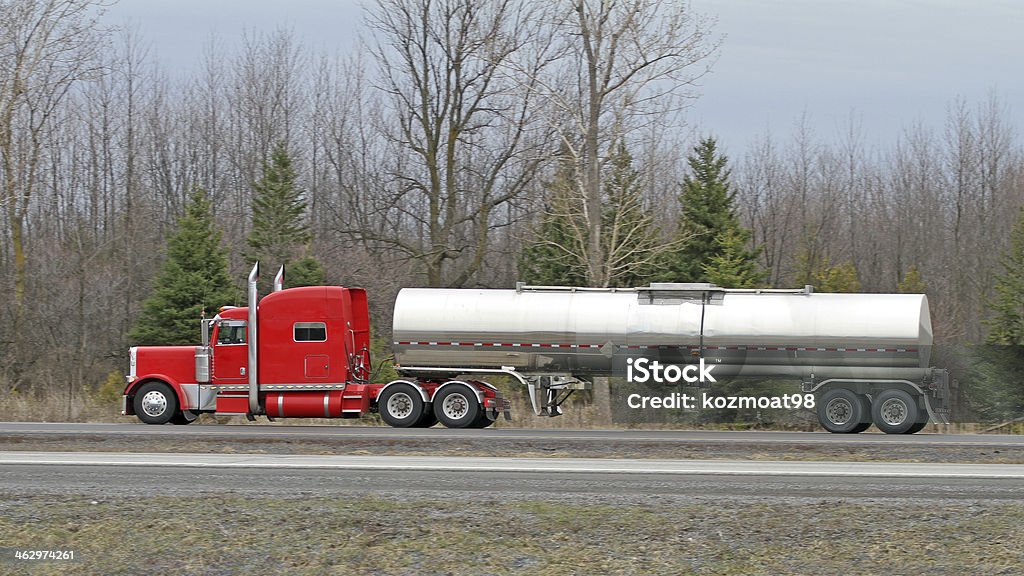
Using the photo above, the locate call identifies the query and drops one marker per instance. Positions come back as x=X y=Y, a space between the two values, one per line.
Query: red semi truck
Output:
x=304 y=352
x=297 y=353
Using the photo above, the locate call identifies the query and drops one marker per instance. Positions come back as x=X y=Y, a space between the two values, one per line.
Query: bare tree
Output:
x=463 y=128
x=623 y=65
x=45 y=47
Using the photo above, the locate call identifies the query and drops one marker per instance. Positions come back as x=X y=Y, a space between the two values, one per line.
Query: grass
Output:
x=369 y=535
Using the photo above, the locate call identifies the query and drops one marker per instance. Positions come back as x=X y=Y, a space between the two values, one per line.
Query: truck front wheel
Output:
x=155 y=403
x=895 y=411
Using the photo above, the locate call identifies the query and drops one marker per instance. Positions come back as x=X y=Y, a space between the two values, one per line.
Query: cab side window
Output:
x=310 y=332
x=231 y=333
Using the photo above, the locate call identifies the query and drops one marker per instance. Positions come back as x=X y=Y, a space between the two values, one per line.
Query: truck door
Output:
x=230 y=353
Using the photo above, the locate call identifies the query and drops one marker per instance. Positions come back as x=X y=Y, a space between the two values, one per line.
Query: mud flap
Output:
x=938 y=401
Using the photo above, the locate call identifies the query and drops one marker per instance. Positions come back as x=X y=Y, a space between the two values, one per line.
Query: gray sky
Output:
x=883 y=63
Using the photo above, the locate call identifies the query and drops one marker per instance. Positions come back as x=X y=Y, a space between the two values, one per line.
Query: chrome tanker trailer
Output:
x=864 y=357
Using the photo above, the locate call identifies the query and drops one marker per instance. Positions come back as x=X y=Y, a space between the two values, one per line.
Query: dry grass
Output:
x=369 y=535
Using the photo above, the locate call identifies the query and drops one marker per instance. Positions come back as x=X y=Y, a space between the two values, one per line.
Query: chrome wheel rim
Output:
x=839 y=411
x=154 y=403
x=894 y=412
x=455 y=406
x=400 y=405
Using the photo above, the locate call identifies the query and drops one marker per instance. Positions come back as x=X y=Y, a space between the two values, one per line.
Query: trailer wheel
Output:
x=865 y=415
x=456 y=406
x=400 y=406
x=922 y=421
x=895 y=411
x=843 y=411
x=917 y=427
x=155 y=403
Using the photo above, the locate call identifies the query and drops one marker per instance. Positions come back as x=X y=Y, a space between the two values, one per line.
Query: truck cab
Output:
x=309 y=344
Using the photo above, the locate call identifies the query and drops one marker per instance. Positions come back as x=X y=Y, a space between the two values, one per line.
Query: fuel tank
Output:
x=594 y=332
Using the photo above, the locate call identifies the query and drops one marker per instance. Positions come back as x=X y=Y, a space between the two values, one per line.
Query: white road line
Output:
x=491 y=464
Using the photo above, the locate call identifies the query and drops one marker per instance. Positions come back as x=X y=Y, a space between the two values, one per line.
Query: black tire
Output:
x=482 y=421
x=895 y=411
x=863 y=425
x=456 y=406
x=922 y=420
x=183 y=417
x=842 y=411
x=427 y=419
x=865 y=417
x=917 y=427
x=155 y=403
x=400 y=406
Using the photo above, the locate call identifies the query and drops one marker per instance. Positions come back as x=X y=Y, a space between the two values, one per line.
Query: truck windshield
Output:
x=231 y=332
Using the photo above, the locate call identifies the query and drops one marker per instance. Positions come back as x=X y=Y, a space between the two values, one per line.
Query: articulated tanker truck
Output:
x=304 y=352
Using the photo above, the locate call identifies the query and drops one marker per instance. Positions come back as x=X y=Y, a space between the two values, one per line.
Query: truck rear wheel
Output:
x=482 y=421
x=155 y=403
x=400 y=406
x=843 y=411
x=895 y=412
x=428 y=419
x=456 y=406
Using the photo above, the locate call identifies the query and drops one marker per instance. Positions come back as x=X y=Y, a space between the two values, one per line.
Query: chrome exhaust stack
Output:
x=279 y=280
x=252 y=339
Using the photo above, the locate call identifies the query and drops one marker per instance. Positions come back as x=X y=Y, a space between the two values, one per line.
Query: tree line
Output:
x=463 y=144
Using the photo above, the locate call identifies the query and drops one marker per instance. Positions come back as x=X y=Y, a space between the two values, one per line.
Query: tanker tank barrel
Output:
x=586 y=332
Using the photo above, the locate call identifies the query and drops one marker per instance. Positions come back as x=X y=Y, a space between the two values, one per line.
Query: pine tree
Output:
x=732 y=266
x=912 y=282
x=193 y=282
x=629 y=240
x=840 y=278
x=555 y=256
x=306 y=271
x=823 y=275
x=279 y=235
x=1006 y=327
x=707 y=220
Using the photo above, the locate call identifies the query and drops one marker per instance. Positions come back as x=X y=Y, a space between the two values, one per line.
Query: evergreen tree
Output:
x=912 y=282
x=1006 y=327
x=306 y=271
x=993 y=386
x=732 y=266
x=193 y=282
x=840 y=278
x=823 y=275
x=707 y=221
x=555 y=256
x=280 y=235
x=629 y=240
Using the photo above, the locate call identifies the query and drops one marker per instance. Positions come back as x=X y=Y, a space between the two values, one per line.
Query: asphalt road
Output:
x=106 y=476
x=272 y=431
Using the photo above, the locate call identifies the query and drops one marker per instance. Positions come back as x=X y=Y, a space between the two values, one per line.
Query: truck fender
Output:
x=475 y=388
x=423 y=393
x=130 y=390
